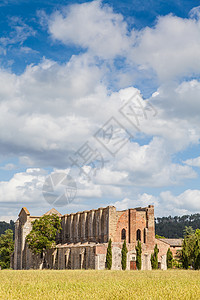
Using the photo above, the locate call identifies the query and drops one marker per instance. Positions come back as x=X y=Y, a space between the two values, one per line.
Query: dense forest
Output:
x=169 y=227
x=173 y=227
x=4 y=226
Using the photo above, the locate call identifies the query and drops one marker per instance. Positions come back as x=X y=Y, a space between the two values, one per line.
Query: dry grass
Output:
x=91 y=284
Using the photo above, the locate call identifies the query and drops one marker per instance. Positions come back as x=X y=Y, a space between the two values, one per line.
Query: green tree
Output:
x=109 y=255
x=138 y=249
x=185 y=255
x=124 y=255
x=6 y=248
x=188 y=231
x=190 y=248
x=43 y=234
x=196 y=255
x=169 y=259
x=159 y=237
x=4 y=226
x=154 y=258
x=197 y=234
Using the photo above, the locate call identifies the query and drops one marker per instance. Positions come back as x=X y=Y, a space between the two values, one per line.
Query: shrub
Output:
x=154 y=258
x=184 y=255
x=169 y=259
x=138 y=249
x=109 y=256
x=124 y=256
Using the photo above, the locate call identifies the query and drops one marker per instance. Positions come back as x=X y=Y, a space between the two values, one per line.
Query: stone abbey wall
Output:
x=90 y=226
x=104 y=223
x=83 y=240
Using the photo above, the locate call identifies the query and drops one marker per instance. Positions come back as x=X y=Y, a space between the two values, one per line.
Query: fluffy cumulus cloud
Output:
x=194 y=162
x=171 y=48
x=184 y=203
x=195 y=12
x=43 y=106
x=151 y=165
x=140 y=200
x=92 y=26
x=23 y=189
x=49 y=111
x=23 y=186
x=26 y=189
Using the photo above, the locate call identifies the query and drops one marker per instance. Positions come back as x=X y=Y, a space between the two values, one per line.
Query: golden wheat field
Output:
x=91 y=284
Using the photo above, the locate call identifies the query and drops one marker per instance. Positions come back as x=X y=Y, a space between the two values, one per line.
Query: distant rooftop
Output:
x=173 y=242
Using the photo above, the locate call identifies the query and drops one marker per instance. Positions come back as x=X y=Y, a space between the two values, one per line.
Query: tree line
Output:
x=4 y=226
x=173 y=227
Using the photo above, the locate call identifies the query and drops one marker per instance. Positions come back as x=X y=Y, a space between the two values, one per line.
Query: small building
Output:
x=175 y=245
x=83 y=240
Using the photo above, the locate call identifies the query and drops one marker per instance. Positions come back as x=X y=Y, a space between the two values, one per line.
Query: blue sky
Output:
x=66 y=68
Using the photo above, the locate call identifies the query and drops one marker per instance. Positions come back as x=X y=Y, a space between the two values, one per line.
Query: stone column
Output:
x=96 y=263
x=105 y=225
x=102 y=225
x=63 y=220
x=87 y=226
x=90 y=225
x=76 y=226
x=83 y=225
x=82 y=253
x=67 y=227
x=151 y=226
x=132 y=226
x=112 y=223
x=71 y=237
x=98 y=225
x=67 y=252
x=16 y=250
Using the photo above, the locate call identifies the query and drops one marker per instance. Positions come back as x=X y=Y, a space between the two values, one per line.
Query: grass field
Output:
x=91 y=284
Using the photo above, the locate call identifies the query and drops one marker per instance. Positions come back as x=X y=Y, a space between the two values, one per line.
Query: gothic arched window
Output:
x=123 y=234
x=138 y=235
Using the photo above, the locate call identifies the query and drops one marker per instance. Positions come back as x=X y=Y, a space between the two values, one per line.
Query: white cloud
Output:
x=165 y=204
x=194 y=162
x=92 y=26
x=151 y=165
x=140 y=200
x=195 y=12
x=51 y=109
x=8 y=217
x=28 y=50
x=20 y=32
x=45 y=103
x=90 y=191
x=188 y=201
x=8 y=167
x=24 y=187
x=171 y=48
x=107 y=176
x=54 y=121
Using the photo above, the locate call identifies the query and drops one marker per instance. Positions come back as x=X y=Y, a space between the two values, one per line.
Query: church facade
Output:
x=83 y=240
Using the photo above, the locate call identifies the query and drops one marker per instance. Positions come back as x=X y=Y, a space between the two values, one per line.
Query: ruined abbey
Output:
x=83 y=241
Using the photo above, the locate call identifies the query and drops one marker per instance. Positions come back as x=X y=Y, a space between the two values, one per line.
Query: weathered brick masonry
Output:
x=83 y=241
